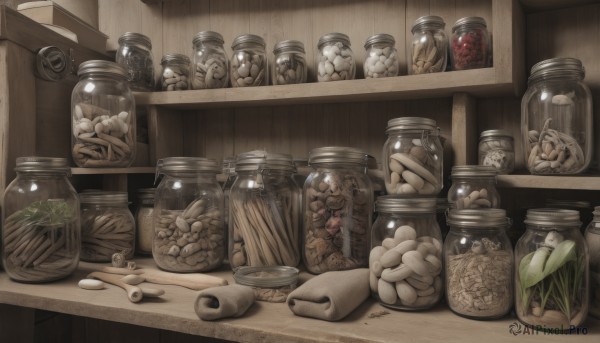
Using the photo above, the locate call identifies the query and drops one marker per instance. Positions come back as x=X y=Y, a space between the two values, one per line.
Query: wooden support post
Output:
x=464 y=129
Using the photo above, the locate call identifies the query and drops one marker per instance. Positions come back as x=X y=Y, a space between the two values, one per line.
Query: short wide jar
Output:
x=496 y=149
x=335 y=59
x=473 y=187
x=381 y=57
x=248 y=64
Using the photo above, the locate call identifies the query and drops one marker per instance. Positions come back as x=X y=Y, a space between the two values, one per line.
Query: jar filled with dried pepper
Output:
x=471 y=47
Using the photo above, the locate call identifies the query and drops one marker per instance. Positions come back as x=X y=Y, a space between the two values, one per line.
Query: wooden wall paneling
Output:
x=100 y=331
x=179 y=21
x=464 y=136
x=17 y=324
x=253 y=129
x=217 y=130
x=165 y=133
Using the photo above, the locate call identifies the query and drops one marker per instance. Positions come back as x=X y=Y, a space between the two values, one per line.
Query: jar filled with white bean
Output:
x=175 y=72
x=496 y=149
x=335 y=60
x=428 y=52
x=473 y=186
x=210 y=66
x=290 y=63
x=381 y=58
x=249 y=65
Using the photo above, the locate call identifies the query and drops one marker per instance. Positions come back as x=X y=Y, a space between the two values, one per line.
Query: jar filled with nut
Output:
x=557 y=118
x=428 y=52
x=272 y=284
x=335 y=60
x=290 y=63
x=188 y=215
x=473 y=186
x=496 y=149
x=405 y=262
x=478 y=260
x=592 y=237
x=413 y=157
x=210 y=66
x=471 y=46
x=338 y=200
x=249 y=65
x=175 y=72
x=135 y=55
x=144 y=221
x=381 y=59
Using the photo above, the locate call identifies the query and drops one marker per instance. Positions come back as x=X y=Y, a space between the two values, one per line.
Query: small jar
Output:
x=135 y=55
x=592 y=237
x=473 y=187
x=471 y=46
x=381 y=59
x=144 y=221
x=551 y=270
x=102 y=116
x=41 y=231
x=557 y=118
x=335 y=60
x=413 y=157
x=188 y=219
x=338 y=204
x=107 y=226
x=289 y=66
x=210 y=66
x=496 y=149
x=405 y=262
x=428 y=52
x=249 y=65
x=272 y=284
x=478 y=260
x=175 y=72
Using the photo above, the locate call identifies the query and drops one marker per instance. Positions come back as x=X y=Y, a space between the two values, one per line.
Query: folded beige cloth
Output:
x=223 y=301
x=332 y=295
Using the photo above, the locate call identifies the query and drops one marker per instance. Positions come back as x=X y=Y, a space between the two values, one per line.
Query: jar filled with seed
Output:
x=188 y=215
x=496 y=149
x=210 y=65
x=471 y=46
x=592 y=237
x=175 y=72
x=335 y=59
x=249 y=65
x=473 y=186
x=135 y=55
x=144 y=221
x=381 y=59
x=429 y=46
x=289 y=66
x=272 y=284
x=405 y=262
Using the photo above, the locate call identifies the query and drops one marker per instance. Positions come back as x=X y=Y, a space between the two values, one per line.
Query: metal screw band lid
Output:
x=335 y=154
x=288 y=45
x=248 y=38
x=146 y=193
x=496 y=133
x=261 y=160
x=432 y=21
x=137 y=38
x=410 y=123
x=391 y=203
x=101 y=66
x=557 y=65
x=333 y=37
x=473 y=171
x=188 y=164
x=207 y=36
x=177 y=58
x=269 y=277
x=380 y=38
x=478 y=218
x=39 y=164
x=552 y=217
x=104 y=198
x=466 y=21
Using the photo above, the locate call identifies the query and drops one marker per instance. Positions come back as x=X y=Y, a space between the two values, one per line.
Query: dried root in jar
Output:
x=554 y=152
x=428 y=55
x=106 y=234
x=413 y=171
x=211 y=73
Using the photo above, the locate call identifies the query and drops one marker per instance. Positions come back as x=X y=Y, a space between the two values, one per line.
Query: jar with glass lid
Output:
x=210 y=65
x=496 y=149
x=592 y=237
x=381 y=57
x=188 y=215
x=175 y=72
x=338 y=205
x=135 y=55
x=335 y=59
x=289 y=66
x=478 y=260
x=473 y=186
x=428 y=51
x=41 y=231
x=557 y=119
x=144 y=221
x=551 y=270
x=102 y=116
x=405 y=262
x=249 y=67
x=471 y=46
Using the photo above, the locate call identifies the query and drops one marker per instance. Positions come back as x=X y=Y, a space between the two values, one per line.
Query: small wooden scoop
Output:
x=134 y=293
x=194 y=281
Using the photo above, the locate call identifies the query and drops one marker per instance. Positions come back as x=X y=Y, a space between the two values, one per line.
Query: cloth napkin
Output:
x=223 y=301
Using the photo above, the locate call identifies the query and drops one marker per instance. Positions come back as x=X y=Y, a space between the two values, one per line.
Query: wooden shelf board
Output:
x=586 y=182
x=130 y=170
x=545 y=5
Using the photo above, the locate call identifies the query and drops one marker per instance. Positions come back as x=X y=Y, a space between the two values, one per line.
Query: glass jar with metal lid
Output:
x=102 y=116
x=496 y=149
x=210 y=65
x=592 y=238
x=289 y=66
x=471 y=46
x=188 y=215
x=381 y=57
x=473 y=186
x=249 y=65
x=135 y=55
x=144 y=221
x=338 y=204
x=335 y=59
x=175 y=72
x=272 y=284
x=264 y=212
x=405 y=262
x=478 y=260
x=413 y=157
x=552 y=271
x=557 y=119
x=41 y=231
x=428 y=51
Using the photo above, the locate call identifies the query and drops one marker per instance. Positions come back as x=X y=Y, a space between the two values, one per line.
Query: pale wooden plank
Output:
x=464 y=133
x=589 y=183
x=164 y=133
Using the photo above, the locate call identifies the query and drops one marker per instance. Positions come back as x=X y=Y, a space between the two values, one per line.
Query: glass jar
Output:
x=272 y=284
x=428 y=51
x=188 y=219
x=335 y=60
x=551 y=270
x=381 y=59
x=102 y=116
x=209 y=61
x=144 y=221
x=135 y=55
x=107 y=226
x=471 y=46
x=557 y=119
x=264 y=212
x=41 y=231
x=290 y=63
x=338 y=204
x=473 y=186
x=175 y=72
x=249 y=66
x=496 y=149
x=478 y=260
x=592 y=237
x=405 y=262
x=413 y=157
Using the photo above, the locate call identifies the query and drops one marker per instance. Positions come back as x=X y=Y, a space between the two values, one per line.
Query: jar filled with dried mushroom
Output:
x=41 y=231
x=210 y=65
x=557 y=119
x=473 y=186
x=188 y=215
x=272 y=284
x=478 y=260
x=413 y=157
x=551 y=270
x=381 y=57
x=289 y=66
x=405 y=262
x=102 y=116
x=144 y=221
x=335 y=59
x=496 y=149
x=592 y=237
x=249 y=67
x=264 y=212
x=175 y=72
x=471 y=47
x=338 y=203
x=428 y=52
x=135 y=56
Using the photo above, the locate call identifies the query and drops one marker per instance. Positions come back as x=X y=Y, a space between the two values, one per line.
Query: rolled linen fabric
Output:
x=223 y=301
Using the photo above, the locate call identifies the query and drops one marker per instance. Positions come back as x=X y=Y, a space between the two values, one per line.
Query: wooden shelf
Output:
x=586 y=182
x=545 y=5
x=101 y=171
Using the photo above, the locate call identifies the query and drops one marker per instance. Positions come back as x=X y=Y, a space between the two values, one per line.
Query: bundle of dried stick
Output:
x=105 y=234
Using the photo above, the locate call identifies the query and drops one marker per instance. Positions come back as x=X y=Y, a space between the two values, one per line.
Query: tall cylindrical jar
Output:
x=335 y=59
x=428 y=51
x=405 y=262
x=210 y=65
x=551 y=270
x=473 y=187
x=135 y=55
x=144 y=221
x=41 y=231
x=471 y=46
x=381 y=57
x=496 y=149
x=188 y=215
x=478 y=263
x=338 y=204
x=102 y=116
x=413 y=157
x=592 y=237
x=557 y=118
x=175 y=72
x=249 y=66
x=264 y=212
x=289 y=66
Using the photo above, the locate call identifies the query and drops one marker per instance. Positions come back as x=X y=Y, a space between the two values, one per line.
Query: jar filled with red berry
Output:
x=471 y=46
